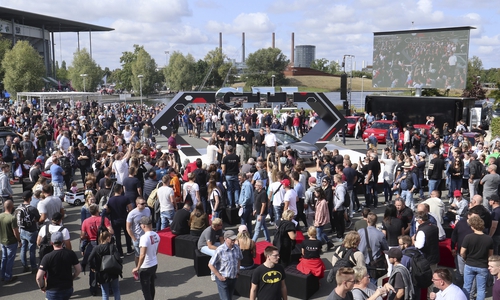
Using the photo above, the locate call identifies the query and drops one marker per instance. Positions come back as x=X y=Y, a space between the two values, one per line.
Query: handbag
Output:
x=377 y=268
x=110 y=264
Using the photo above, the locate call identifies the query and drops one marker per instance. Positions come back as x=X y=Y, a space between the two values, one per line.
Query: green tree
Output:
x=180 y=72
x=125 y=74
x=146 y=66
x=23 y=68
x=474 y=69
x=200 y=70
x=5 y=45
x=62 y=72
x=84 y=64
x=333 y=68
x=263 y=64
x=220 y=69
x=320 y=64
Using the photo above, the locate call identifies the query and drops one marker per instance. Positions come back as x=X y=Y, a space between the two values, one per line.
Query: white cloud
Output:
x=485 y=49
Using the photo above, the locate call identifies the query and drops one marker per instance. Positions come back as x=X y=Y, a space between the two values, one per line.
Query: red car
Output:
x=379 y=128
x=351 y=125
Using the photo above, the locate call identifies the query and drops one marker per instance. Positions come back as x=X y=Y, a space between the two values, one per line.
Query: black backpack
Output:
x=347 y=199
x=347 y=260
x=420 y=268
x=46 y=245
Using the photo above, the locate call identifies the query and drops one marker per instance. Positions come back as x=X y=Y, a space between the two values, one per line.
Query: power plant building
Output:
x=304 y=56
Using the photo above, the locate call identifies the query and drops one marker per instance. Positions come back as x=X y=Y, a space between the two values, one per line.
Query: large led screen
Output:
x=434 y=58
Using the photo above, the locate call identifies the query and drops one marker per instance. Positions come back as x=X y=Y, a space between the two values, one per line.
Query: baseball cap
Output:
x=229 y=235
x=312 y=180
x=422 y=154
x=57 y=237
x=395 y=253
x=494 y=197
x=457 y=193
x=242 y=228
x=27 y=194
x=159 y=147
x=285 y=182
x=57 y=216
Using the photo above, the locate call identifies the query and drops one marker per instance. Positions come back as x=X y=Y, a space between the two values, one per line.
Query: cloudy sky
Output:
x=192 y=26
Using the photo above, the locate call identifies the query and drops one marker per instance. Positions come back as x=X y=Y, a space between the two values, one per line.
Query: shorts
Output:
x=137 y=250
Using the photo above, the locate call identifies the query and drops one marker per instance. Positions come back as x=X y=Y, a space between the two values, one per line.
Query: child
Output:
x=74 y=187
x=40 y=157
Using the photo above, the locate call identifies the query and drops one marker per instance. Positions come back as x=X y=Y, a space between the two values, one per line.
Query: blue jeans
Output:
x=166 y=218
x=233 y=189
x=261 y=151
x=371 y=194
x=8 y=257
x=408 y=196
x=387 y=192
x=114 y=285
x=434 y=184
x=208 y=251
x=226 y=288
x=246 y=217
x=58 y=294
x=455 y=184
x=261 y=225
x=481 y=275
x=278 y=211
x=321 y=235
x=28 y=240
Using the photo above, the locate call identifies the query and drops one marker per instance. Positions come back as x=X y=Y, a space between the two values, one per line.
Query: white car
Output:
x=74 y=199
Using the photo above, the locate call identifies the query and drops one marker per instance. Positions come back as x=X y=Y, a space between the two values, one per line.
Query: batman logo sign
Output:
x=272 y=277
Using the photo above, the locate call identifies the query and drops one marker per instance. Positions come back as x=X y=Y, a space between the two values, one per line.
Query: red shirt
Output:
x=91 y=225
x=189 y=168
x=296 y=121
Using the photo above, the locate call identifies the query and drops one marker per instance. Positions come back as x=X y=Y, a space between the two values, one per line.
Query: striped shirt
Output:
x=226 y=260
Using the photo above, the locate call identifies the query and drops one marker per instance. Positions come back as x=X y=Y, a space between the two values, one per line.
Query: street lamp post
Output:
x=140 y=84
x=272 y=80
x=362 y=88
x=84 y=77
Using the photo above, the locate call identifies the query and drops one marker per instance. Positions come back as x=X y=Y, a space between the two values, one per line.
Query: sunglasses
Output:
x=141 y=203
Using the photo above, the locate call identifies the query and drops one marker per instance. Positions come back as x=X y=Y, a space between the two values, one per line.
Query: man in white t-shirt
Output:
x=148 y=262
x=270 y=141
x=64 y=142
x=276 y=196
x=120 y=165
x=52 y=227
x=290 y=198
x=167 y=209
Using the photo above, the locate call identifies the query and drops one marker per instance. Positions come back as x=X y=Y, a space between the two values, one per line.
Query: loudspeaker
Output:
x=343 y=86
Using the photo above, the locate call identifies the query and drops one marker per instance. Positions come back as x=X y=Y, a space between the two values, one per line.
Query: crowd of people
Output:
x=134 y=187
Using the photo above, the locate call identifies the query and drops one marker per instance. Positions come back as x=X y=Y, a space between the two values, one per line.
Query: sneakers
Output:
x=130 y=253
x=212 y=277
x=329 y=245
x=12 y=279
x=26 y=269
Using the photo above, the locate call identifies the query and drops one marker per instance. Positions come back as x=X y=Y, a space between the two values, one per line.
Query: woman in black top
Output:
x=392 y=227
x=285 y=236
x=311 y=250
x=132 y=186
x=247 y=246
x=105 y=279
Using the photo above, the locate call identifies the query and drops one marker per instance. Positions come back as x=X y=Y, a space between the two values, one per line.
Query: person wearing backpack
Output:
x=27 y=218
x=45 y=232
x=347 y=255
x=107 y=279
x=414 y=260
x=400 y=277
x=90 y=231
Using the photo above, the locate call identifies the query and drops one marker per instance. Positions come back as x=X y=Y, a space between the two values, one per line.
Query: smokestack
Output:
x=220 y=42
x=274 y=40
x=293 y=49
x=243 y=47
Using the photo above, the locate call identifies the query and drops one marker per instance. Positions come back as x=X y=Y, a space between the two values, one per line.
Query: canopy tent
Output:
x=56 y=96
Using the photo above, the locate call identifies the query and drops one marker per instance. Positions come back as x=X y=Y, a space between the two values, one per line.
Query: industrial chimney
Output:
x=220 y=42
x=274 y=40
x=292 y=59
x=243 y=47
